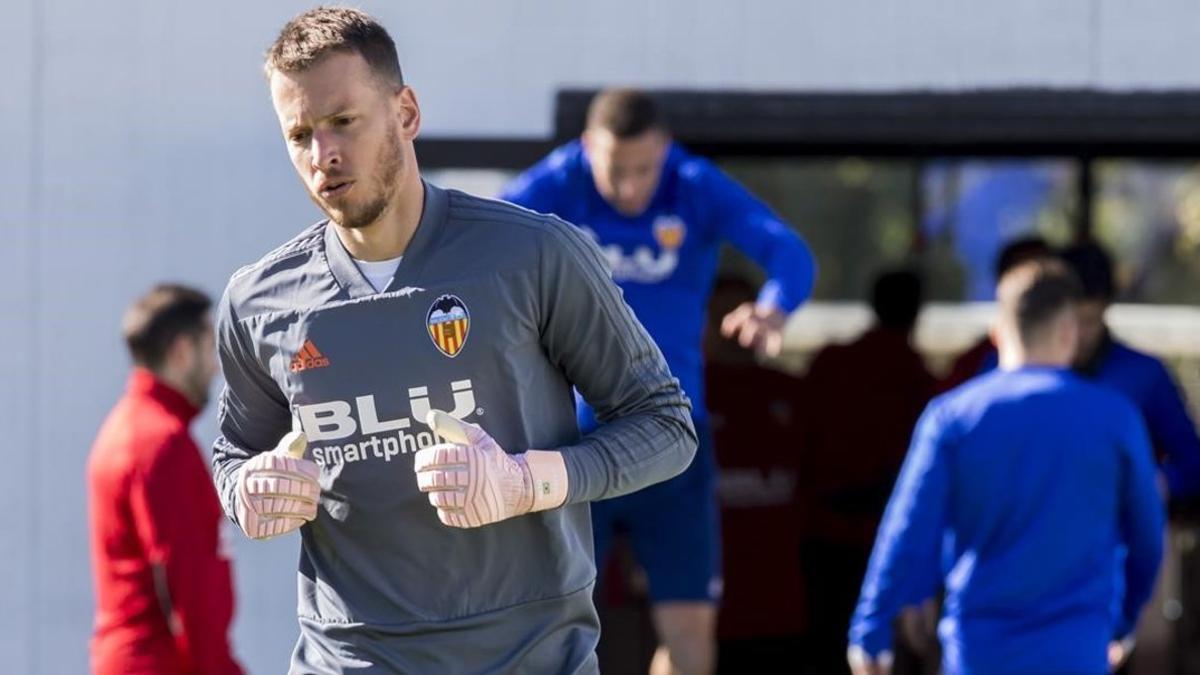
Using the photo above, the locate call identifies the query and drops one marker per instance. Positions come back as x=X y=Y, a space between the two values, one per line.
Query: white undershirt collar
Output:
x=379 y=272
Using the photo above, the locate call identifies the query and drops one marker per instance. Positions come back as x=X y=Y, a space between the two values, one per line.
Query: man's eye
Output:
x=298 y=137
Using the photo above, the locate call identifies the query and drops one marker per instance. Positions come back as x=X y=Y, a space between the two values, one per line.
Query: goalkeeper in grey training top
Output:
x=467 y=553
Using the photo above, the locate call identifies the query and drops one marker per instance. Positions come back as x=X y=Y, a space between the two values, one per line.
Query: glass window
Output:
x=856 y=214
x=974 y=207
x=1148 y=215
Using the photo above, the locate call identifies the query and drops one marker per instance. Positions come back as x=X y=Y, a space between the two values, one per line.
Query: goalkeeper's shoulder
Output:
x=528 y=240
x=270 y=283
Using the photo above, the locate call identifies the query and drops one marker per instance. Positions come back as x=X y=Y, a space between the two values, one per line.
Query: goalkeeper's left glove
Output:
x=473 y=482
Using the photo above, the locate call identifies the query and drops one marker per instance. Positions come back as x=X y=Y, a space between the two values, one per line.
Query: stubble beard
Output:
x=386 y=175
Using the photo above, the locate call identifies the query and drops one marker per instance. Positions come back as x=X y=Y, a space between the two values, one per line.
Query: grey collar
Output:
x=350 y=277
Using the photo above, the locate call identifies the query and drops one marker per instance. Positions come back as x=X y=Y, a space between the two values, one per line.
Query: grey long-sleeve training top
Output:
x=494 y=314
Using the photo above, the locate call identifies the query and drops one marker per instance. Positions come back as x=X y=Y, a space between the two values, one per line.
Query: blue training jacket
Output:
x=1148 y=384
x=1026 y=484
x=666 y=258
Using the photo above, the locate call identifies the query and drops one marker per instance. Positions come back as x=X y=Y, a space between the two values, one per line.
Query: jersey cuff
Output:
x=548 y=470
x=772 y=295
x=859 y=658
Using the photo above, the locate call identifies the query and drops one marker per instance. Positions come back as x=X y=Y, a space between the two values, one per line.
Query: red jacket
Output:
x=155 y=535
x=863 y=400
x=969 y=363
x=753 y=412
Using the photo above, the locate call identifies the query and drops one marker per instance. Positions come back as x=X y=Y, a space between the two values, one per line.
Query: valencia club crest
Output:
x=448 y=322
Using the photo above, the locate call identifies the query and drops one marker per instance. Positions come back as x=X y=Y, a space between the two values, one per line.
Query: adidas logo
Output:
x=308 y=357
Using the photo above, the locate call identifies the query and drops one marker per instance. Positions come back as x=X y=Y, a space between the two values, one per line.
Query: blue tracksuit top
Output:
x=665 y=259
x=1025 y=483
x=1146 y=381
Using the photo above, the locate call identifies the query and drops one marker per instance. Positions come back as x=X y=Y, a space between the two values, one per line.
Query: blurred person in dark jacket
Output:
x=862 y=400
x=753 y=410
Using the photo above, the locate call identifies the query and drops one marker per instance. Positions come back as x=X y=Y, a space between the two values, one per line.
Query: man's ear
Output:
x=993 y=333
x=408 y=112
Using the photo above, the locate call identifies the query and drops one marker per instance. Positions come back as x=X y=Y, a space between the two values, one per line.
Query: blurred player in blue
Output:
x=660 y=216
x=981 y=356
x=1025 y=483
x=1141 y=377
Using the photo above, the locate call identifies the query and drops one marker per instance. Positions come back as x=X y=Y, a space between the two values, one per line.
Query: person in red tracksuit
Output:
x=862 y=400
x=164 y=590
x=754 y=412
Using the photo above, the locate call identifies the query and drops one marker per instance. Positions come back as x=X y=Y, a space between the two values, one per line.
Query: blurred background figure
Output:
x=971 y=362
x=1025 y=484
x=1148 y=384
x=861 y=401
x=164 y=592
x=660 y=216
x=988 y=204
x=755 y=412
x=1139 y=376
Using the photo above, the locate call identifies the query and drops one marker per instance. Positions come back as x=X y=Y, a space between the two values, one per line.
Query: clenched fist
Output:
x=277 y=491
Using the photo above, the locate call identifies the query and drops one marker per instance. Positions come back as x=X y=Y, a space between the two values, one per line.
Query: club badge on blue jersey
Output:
x=669 y=232
x=449 y=322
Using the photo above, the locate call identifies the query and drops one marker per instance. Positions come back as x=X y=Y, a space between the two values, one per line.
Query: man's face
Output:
x=201 y=365
x=626 y=170
x=346 y=134
x=1091 y=328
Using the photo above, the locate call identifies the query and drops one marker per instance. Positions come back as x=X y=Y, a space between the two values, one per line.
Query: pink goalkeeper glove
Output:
x=473 y=482
x=277 y=491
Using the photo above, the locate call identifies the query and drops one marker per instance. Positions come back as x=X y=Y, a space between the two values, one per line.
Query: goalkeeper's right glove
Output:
x=277 y=491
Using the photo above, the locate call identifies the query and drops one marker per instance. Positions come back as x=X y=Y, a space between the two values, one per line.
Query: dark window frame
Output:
x=1074 y=124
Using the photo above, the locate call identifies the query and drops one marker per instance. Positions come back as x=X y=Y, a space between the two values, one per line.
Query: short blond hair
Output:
x=322 y=31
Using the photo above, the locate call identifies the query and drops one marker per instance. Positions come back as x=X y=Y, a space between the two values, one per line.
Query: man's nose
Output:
x=325 y=153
